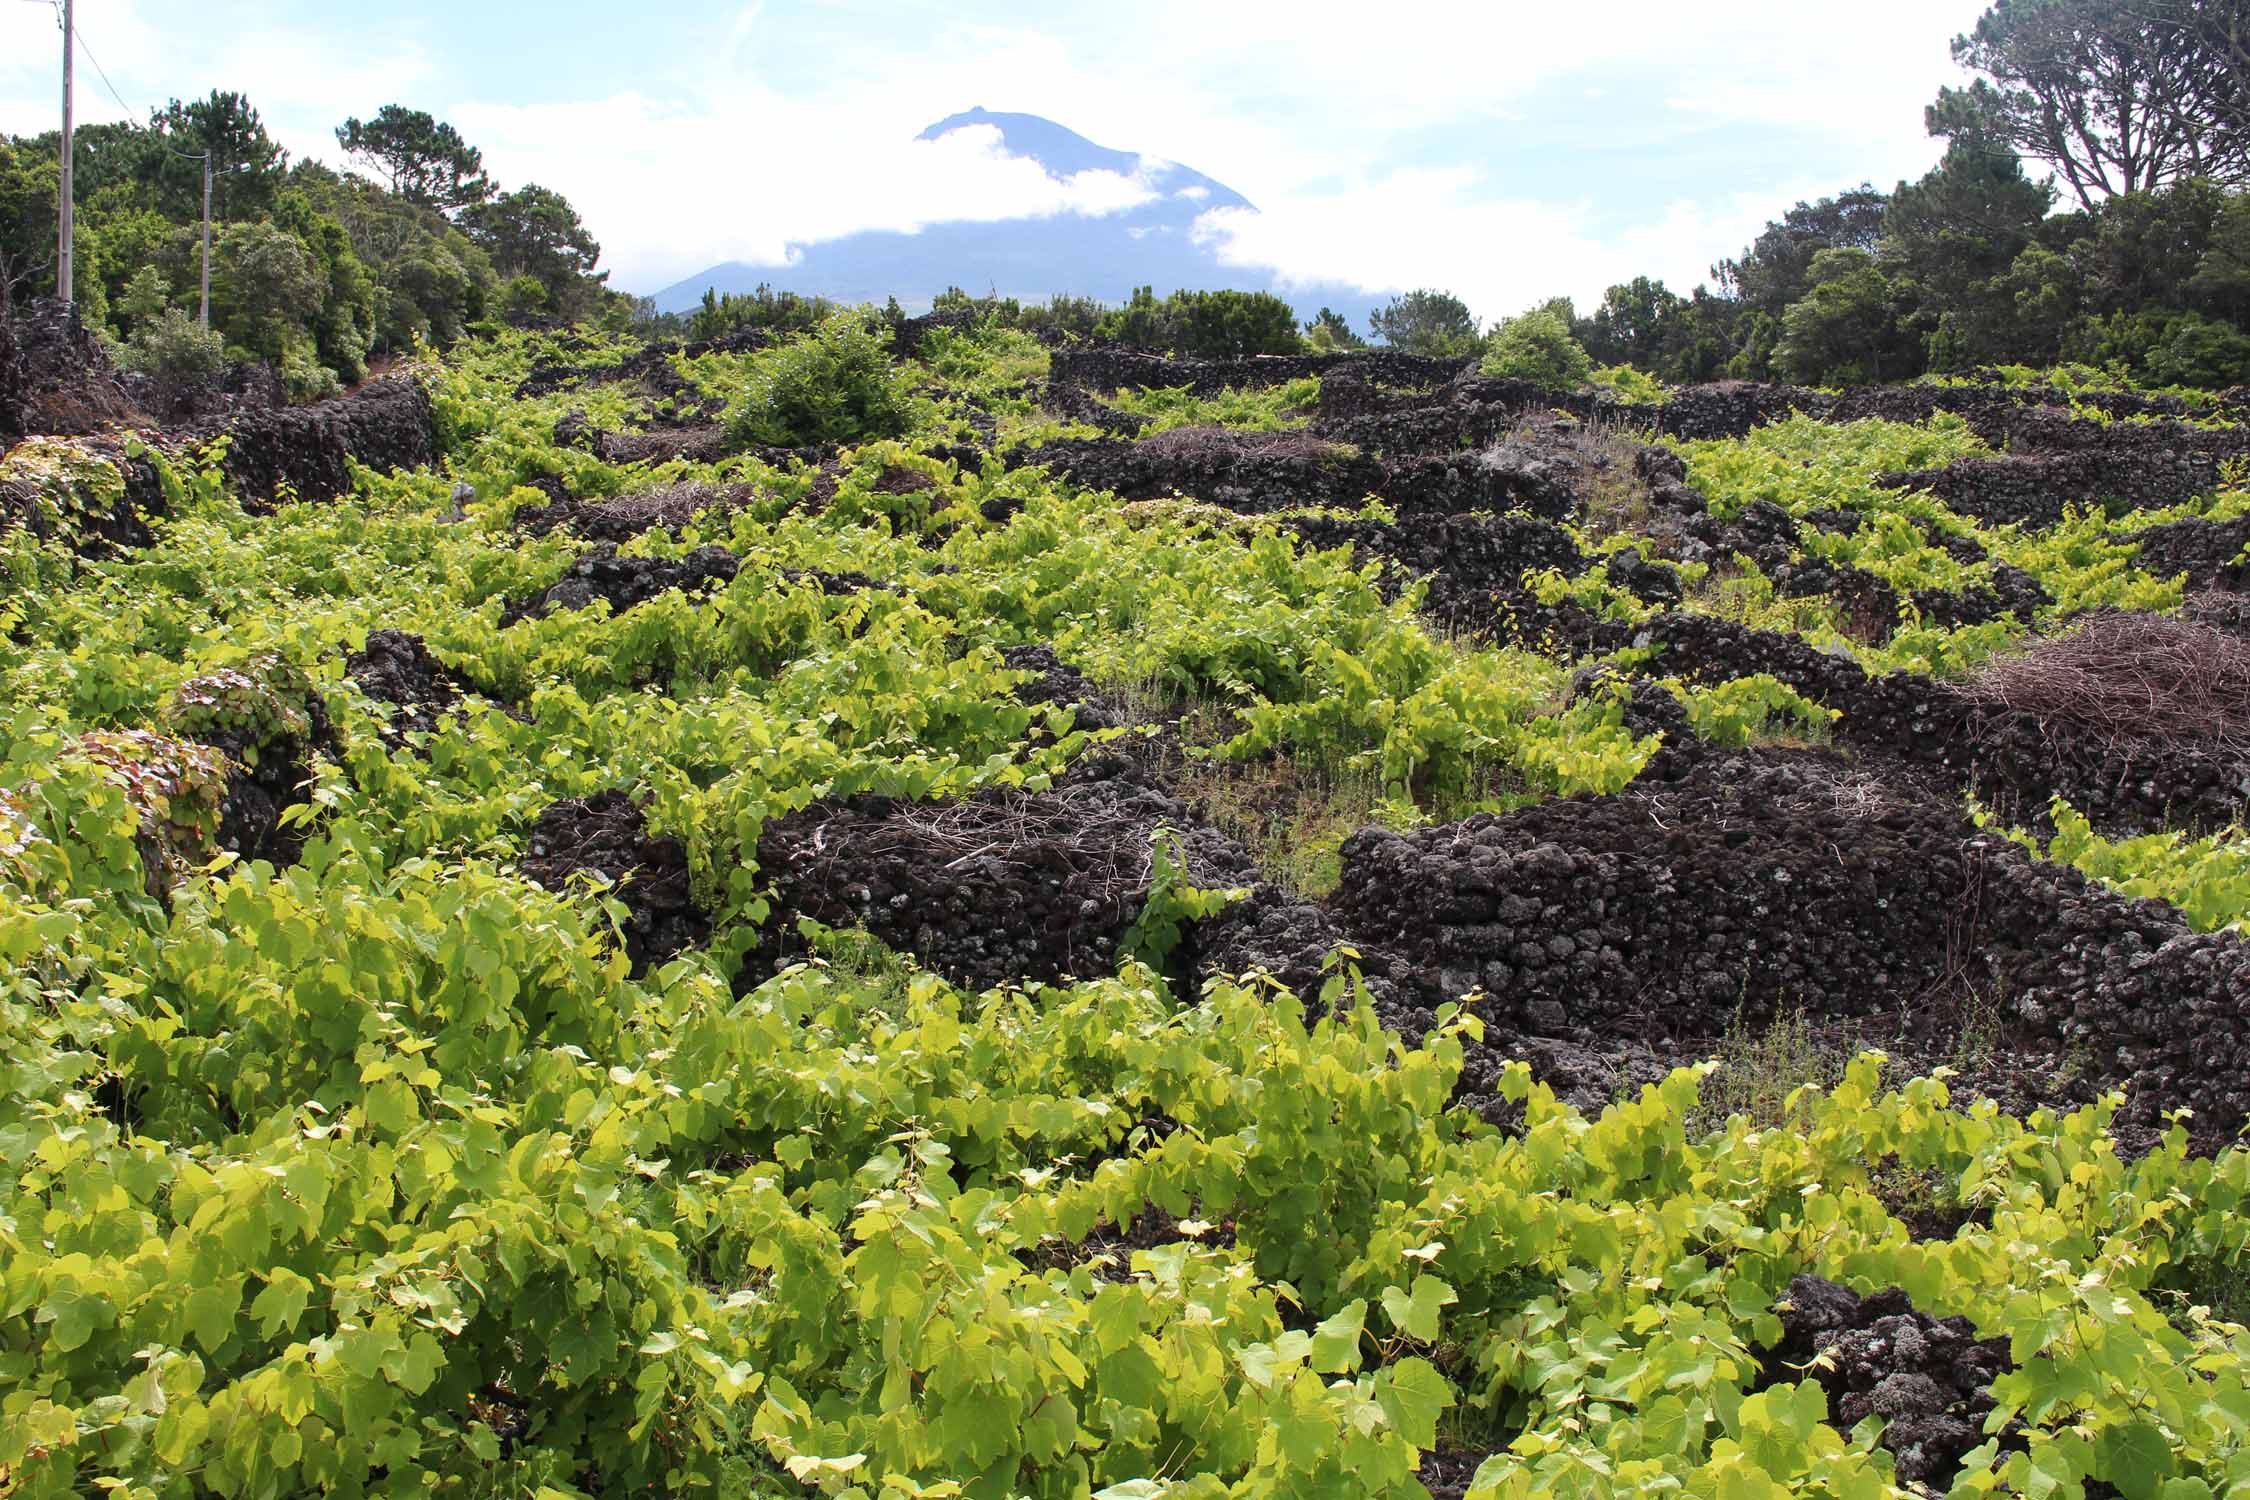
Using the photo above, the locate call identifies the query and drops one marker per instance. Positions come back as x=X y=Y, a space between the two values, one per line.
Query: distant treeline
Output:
x=1187 y=322
x=1963 y=269
x=2140 y=114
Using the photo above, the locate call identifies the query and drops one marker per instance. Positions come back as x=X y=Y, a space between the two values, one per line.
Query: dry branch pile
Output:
x=2131 y=677
x=1082 y=833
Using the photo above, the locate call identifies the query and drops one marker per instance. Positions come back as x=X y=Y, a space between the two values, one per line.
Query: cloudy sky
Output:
x=1504 y=149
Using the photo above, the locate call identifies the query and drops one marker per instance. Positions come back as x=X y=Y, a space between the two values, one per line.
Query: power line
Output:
x=79 y=35
x=74 y=42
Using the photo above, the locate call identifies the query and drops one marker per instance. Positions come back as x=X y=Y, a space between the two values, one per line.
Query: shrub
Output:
x=266 y=287
x=176 y=349
x=1630 y=386
x=1207 y=323
x=2198 y=351
x=145 y=297
x=1233 y=323
x=834 y=385
x=1330 y=332
x=524 y=299
x=1074 y=317
x=1537 y=347
x=1143 y=322
x=783 y=312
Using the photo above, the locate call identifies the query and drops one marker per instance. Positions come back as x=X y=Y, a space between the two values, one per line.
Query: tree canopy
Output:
x=29 y=186
x=1426 y=322
x=1776 y=270
x=534 y=232
x=1633 y=323
x=423 y=160
x=2118 y=96
x=1329 y=331
x=246 y=162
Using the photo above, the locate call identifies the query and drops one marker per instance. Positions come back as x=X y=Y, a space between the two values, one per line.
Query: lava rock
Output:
x=1000 y=887
x=1929 y=1379
x=1056 y=682
x=607 y=835
x=387 y=424
x=397 y=668
x=626 y=581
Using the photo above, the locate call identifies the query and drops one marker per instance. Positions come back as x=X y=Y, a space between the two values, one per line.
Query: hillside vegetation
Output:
x=903 y=912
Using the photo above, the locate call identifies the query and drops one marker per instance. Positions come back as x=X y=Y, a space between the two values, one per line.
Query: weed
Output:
x=1291 y=810
x=1291 y=813
x=860 y=964
x=1761 y=1067
x=1976 y=1037
x=2218 y=1284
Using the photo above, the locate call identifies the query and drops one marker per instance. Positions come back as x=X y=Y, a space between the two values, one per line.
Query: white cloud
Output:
x=630 y=160
x=302 y=78
x=1302 y=106
x=1444 y=228
x=1326 y=90
x=1380 y=148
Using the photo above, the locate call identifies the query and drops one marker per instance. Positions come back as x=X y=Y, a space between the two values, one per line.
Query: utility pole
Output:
x=207 y=237
x=63 y=283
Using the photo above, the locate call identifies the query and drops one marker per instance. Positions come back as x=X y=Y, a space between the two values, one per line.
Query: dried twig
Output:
x=1080 y=832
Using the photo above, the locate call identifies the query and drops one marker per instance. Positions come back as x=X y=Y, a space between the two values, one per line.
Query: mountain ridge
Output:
x=1065 y=153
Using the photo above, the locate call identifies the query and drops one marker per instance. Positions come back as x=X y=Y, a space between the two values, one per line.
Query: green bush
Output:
x=1143 y=322
x=172 y=346
x=1216 y=324
x=524 y=298
x=783 y=312
x=304 y=378
x=1074 y=317
x=145 y=298
x=1630 y=386
x=2199 y=351
x=1330 y=333
x=1234 y=323
x=1062 y=314
x=834 y=385
x=1426 y=322
x=1538 y=347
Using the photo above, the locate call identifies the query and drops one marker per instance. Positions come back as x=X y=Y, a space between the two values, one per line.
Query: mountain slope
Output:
x=1098 y=255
